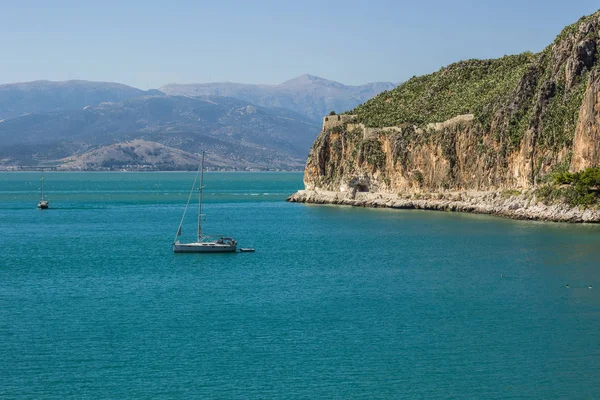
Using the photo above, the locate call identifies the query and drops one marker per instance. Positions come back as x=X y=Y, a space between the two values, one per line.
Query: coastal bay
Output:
x=336 y=301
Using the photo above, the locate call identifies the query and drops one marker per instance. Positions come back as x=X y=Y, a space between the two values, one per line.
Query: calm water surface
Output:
x=336 y=302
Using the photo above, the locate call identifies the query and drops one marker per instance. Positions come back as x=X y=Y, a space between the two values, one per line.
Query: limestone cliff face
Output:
x=586 y=145
x=475 y=125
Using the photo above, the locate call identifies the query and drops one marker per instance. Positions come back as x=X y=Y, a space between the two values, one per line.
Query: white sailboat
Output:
x=204 y=244
x=43 y=204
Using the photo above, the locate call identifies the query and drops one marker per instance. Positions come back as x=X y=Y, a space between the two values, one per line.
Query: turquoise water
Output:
x=336 y=302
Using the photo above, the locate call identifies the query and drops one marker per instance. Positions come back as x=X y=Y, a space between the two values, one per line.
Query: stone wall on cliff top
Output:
x=335 y=120
x=543 y=117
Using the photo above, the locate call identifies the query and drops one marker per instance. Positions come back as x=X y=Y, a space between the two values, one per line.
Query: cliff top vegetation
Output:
x=466 y=87
x=541 y=91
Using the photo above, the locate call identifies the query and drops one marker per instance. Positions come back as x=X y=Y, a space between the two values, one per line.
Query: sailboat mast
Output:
x=42 y=186
x=187 y=204
x=200 y=199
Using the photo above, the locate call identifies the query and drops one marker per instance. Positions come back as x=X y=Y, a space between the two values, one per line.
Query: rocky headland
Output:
x=517 y=137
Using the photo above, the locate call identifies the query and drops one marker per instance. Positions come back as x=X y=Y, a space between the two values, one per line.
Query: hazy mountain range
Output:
x=95 y=125
x=45 y=96
x=307 y=94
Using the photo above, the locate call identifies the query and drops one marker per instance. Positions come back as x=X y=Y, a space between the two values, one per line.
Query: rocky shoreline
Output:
x=504 y=204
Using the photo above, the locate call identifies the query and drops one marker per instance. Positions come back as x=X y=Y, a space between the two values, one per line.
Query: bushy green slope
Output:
x=467 y=87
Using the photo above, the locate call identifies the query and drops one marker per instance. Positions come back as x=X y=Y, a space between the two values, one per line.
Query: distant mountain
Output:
x=308 y=95
x=236 y=133
x=83 y=124
x=134 y=154
x=45 y=96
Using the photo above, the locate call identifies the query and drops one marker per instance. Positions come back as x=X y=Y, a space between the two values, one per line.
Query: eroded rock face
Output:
x=582 y=59
x=586 y=144
x=562 y=84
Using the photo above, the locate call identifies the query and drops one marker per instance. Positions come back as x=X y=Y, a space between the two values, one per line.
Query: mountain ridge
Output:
x=50 y=120
x=310 y=95
x=46 y=96
x=307 y=94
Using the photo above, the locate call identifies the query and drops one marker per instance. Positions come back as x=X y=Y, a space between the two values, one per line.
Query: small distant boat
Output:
x=43 y=204
x=203 y=244
x=246 y=250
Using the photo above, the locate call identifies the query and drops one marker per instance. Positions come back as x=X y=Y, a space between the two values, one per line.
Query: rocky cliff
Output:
x=477 y=125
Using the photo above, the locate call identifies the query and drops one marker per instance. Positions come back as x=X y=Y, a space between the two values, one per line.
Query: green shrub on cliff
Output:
x=576 y=189
x=587 y=178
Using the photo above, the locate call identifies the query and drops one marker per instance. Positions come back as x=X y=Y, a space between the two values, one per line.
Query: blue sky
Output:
x=147 y=44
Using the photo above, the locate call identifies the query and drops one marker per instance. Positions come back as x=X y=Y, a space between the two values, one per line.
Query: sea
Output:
x=335 y=303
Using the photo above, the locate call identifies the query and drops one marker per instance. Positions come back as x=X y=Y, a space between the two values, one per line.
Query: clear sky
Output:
x=147 y=43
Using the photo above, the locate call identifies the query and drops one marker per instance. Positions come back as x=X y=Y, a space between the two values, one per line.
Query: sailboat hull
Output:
x=43 y=205
x=204 y=247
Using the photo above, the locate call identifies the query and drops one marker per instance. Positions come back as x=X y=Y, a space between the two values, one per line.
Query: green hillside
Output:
x=466 y=87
